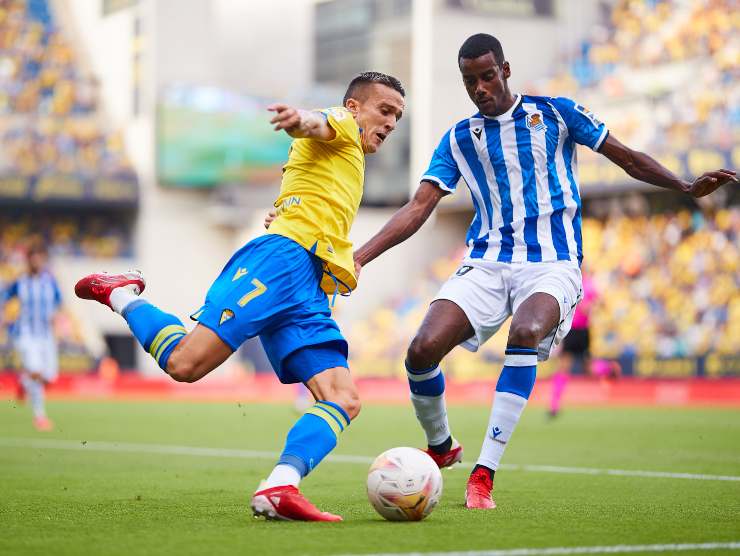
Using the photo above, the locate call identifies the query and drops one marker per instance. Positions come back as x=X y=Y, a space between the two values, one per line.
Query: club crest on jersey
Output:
x=534 y=121
x=226 y=314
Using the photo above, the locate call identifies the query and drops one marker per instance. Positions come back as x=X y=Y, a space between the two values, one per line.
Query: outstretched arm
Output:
x=301 y=124
x=403 y=224
x=644 y=168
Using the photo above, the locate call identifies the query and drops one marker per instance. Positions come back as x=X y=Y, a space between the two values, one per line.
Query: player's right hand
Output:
x=286 y=117
x=711 y=181
x=270 y=218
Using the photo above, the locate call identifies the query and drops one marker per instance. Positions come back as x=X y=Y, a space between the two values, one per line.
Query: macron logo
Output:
x=495 y=433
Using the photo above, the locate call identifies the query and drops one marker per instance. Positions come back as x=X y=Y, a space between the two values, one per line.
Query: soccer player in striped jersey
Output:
x=39 y=297
x=517 y=155
x=277 y=286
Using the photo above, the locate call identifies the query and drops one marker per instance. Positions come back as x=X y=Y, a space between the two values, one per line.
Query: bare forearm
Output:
x=402 y=225
x=646 y=169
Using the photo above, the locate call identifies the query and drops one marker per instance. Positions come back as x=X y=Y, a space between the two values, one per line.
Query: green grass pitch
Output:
x=102 y=501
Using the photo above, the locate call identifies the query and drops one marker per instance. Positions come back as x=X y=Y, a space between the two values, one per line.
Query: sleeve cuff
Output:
x=442 y=185
x=601 y=139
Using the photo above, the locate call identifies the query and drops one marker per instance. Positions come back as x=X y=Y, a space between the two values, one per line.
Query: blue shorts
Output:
x=271 y=288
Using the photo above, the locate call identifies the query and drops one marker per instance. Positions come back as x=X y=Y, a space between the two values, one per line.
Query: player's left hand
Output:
x=358 y=269
x=286 y=117
x=711 y=181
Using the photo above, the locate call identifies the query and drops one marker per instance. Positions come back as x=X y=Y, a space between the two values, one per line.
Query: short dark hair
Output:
x=368 y=78
x=478 y=45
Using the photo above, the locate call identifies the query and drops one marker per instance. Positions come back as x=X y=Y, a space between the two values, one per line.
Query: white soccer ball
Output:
x=404 y=484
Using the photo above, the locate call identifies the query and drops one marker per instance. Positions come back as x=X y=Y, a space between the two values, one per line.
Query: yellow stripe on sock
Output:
x=164 y=346
x=328 y=418
x=162 y=335
x=334 y=411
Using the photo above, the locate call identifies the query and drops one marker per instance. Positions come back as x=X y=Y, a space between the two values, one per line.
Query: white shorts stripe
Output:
x=519 y=360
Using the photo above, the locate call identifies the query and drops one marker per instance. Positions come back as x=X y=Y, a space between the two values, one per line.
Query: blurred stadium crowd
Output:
x=669 y=69
x=67 y=234
x=49 y=114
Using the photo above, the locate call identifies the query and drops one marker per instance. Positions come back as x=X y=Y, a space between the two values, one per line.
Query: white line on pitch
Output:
x=98 y=446
x=614 y=549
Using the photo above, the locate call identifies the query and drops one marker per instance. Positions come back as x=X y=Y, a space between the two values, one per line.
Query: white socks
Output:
x=35 y=391
x=507 y=408
x=431 y=412
x=282 y=475
x=120 y=298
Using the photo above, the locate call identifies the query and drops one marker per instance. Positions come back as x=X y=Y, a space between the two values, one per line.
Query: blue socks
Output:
x=157 y=332
x=520 y=370
x=313 y=436
x=426 y=382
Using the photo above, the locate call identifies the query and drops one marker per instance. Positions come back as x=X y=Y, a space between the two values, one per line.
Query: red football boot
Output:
x=288 y=504
x=448 y=459
x=99 y=286
x=478 y=491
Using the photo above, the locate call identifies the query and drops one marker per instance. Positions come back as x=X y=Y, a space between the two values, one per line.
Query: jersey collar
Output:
x=506 y=115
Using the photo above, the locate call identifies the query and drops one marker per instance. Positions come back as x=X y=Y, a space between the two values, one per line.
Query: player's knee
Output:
x=182 y=370
x=527 y=334
x=423 y=352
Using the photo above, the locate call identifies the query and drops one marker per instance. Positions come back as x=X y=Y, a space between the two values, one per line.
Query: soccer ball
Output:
x=404 y=484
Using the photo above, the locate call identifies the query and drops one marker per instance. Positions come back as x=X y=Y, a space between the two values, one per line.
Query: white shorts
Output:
x=39 y=355
x=489 y=292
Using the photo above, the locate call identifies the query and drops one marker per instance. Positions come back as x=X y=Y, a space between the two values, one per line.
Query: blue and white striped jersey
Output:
x=521 y=170
x=40 y=298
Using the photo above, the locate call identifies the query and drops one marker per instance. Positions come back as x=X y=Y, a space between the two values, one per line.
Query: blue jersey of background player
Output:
x=39 y=299
x=275 y=286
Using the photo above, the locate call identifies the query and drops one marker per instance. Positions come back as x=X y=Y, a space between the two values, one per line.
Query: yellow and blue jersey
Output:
x=320 y=195
x=276 y=286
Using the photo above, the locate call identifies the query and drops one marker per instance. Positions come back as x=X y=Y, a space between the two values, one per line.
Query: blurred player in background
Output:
x=517 y=155
x=38 y=297
x=276 y=286
x=576 y=345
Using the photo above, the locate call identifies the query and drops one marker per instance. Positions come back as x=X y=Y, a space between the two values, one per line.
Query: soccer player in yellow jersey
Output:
x=277 y=286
